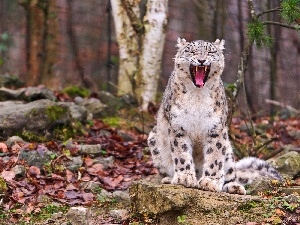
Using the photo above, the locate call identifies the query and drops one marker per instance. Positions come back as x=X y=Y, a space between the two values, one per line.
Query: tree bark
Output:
x=40 y=39
x=140 y=47
x=155 y=22
x=128 y=41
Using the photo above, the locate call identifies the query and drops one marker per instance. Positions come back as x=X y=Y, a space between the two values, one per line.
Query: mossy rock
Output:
x=170 y=202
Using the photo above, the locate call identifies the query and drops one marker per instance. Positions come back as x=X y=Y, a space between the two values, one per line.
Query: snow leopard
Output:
x=189 y=144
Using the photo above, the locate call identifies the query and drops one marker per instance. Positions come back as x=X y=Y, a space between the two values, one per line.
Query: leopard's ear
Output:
x=219 y=44
x=181 y=42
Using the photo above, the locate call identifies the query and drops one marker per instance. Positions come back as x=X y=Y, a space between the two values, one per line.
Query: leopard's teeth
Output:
x=205 y=68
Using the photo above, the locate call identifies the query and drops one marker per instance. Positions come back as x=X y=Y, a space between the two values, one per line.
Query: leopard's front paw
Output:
x=208 y=184
x=185 y=179
x=234 y=188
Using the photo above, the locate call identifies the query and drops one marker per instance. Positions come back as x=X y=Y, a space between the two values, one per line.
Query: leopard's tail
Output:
x=248 y=169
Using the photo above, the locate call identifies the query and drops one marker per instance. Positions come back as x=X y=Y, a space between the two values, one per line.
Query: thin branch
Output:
x=280 y=24
x=268 y=11
x=269 y=101
x=136 y=22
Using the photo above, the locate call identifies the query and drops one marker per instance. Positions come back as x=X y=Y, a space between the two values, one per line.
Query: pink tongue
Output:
x=200 y=74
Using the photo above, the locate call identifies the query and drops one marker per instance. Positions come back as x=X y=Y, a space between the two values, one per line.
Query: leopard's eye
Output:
x=212 y=52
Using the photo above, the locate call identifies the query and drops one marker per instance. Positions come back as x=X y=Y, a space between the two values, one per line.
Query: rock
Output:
x=12 y=140
x=19 y=171
x=199 y=207
x=75 y=164
x=288 y=164
x=78 y=215
x=107 y=162
x=36 y=93
x=121 y=196
x=91 y=150
x=8 y=94
x=36 y=158
x=259 y=185
x=77 y=113
x=93 y=106
x=36 y=117
x=26 y=94
x=119 y=214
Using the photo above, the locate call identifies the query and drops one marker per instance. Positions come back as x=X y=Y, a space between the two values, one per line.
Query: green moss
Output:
x=55 y=112
x=32 y=136
x=74 y=91
x=3 y=186
x=112 y=121
x=248 y=206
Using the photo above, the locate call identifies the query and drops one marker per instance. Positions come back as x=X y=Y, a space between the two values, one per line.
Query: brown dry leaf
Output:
x=69 y=175
x=88 y=161
x=3 y=147
x=87 y=197
x=34 y=171
x=71 y=187
x=8 y=175
x=95 y=169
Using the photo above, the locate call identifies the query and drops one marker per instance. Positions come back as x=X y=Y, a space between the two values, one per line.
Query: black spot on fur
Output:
x=168 y=108
x=220 y=165
x=243 y=180
x=219 y=145
x=175 y=143
x=179 y=135
x=214 y=135
x=152 y=142
x=207 y=173
x=176 y=161
x=260 y=167
x=216 y=162
x=223 y=150
x=211 y=166
x=209 y=150
x=172 y=148
x=225 y=136
x=213 y=174
x=181 y=169
x=230 y=171
x=155 y=151
x=182 y=160
x=218 y=104
x=188 y=167
x=184 y=147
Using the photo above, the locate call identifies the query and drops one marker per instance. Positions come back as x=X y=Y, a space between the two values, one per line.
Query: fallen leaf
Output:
x=8 y=175
x=3 y=147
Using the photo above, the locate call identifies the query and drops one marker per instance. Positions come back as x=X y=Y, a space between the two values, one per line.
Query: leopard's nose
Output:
x=201 y=61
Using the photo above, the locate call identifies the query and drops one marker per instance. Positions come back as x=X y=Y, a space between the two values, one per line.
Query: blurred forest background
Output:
x=79 y=46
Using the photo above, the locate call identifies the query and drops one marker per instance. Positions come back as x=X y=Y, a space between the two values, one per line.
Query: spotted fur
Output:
x=190 y=143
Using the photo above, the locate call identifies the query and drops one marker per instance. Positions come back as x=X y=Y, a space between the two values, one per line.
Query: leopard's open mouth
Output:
x=199 y=74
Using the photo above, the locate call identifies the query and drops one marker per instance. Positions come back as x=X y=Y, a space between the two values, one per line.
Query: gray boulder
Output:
x=37 y=116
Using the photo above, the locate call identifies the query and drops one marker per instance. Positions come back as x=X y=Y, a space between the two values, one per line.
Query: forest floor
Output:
x=39 y=194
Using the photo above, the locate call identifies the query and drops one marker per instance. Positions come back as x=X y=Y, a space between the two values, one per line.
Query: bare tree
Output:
x=41 y=40
x=141 y=44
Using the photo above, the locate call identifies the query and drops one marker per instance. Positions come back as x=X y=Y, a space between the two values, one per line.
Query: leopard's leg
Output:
x=160 y=149
x=181 y=151
x=212 y=178
x=230 y=185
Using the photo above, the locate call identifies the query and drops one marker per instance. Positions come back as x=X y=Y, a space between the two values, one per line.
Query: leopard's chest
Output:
x=195 y=111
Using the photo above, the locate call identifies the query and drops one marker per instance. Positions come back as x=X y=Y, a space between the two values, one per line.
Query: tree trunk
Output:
x=41 y=43
x=140 y=47
x=155 y=22
x=128 y=41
